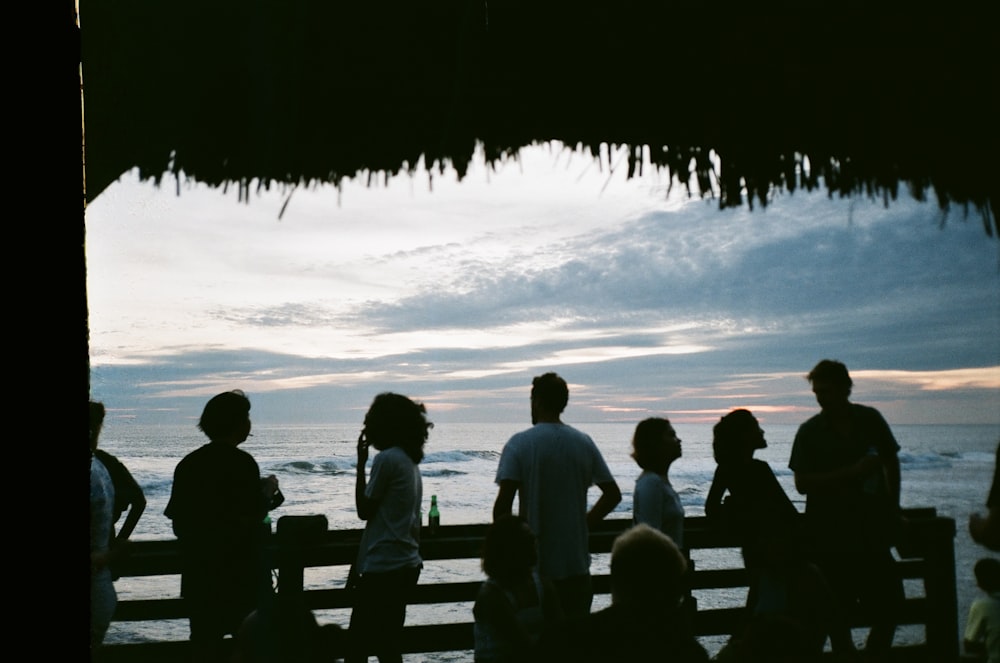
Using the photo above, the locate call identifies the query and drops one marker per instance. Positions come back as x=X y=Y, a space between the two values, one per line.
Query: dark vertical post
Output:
x=940 y=589
x=294 y=533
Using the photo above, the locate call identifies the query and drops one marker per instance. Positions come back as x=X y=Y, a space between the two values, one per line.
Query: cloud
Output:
x=647 y=304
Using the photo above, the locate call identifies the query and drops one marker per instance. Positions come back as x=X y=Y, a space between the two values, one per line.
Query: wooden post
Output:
x=294 y=533
x=938 y=536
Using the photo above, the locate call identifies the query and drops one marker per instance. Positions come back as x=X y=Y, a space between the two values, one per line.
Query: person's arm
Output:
x=137 y=505
x=365 y=506
x=504 y=503
x=611 y=495
x=647 y=505
x=973 y=639
x=713 y=502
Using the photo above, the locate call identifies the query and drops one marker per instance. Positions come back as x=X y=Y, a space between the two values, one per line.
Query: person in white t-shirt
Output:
x=982 y=628
x=389 y=563
x=551 y=467
x=655 y=446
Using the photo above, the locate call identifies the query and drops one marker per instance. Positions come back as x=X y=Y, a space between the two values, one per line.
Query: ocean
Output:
x=948 y=467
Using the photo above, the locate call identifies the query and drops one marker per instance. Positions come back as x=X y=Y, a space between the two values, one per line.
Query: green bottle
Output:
x=434 y=516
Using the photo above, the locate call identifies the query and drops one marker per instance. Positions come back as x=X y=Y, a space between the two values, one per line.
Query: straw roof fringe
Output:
x=858 y=100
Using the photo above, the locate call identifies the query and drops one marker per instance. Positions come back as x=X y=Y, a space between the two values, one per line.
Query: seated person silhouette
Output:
x=647 y=619
x=515 y=605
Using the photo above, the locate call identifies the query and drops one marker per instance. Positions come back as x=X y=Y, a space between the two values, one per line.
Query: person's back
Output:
x=217 y=506
x=755 y=498
x=556 y=467
x=982 y=627
x=551 y=466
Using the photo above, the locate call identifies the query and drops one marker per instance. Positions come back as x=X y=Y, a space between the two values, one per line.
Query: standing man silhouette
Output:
x=217 y=506
x=846 y=463
x=551 y=466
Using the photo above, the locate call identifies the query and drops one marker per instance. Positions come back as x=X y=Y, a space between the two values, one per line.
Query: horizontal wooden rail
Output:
x=927 y=552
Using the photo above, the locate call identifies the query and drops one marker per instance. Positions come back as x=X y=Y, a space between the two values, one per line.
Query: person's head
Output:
x=987 y=572
x=509 y=549
x=736 y=437
x=96 y=422
x=393 y=420
x=549 y=395
x=655 y=444
x=831 y=383
x=226 y=417
x=647 y=570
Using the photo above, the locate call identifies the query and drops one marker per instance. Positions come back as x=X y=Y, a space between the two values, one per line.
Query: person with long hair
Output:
x=388 y=563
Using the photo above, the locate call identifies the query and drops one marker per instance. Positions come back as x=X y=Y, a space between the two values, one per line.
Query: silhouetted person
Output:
x=745 y=496
x=217 y=504
x=103 y=598
x=770 y=638
x=982 y=627
x=551 y=466
x=846 y=463
x=128 y=494
x=287 y=634
x=647 y=619
x=515 y=604
x=985 y=530
x=655 y=446
x=388 y=564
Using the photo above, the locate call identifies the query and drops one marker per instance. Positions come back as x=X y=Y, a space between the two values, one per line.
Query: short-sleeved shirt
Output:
x=983 y=625
x=217 y=508
x=656 y=503
x=102 y=498
x=125 y=485
x=391 y=539
x=554 y=466
x=847 y=517
x=103 y=597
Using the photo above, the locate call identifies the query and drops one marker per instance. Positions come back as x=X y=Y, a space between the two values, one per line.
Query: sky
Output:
x=647 y=300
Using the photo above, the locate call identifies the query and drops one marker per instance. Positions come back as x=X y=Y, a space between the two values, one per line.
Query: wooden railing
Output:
x=926 y=553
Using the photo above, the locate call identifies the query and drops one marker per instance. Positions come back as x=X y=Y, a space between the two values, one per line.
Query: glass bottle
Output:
x=434 y=516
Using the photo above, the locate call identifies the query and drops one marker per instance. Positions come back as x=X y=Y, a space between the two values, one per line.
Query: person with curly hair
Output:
x=388 y=563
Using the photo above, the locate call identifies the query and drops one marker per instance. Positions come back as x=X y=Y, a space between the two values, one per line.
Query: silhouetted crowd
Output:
x=808 y=573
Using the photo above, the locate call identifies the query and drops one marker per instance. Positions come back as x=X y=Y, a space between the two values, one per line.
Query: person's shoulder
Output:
x=193 y=458
x=868 y=413
x=105 y=457
x=526 y=437
x=573 y=430
x=650 y=479
x=812 y=422
x=108 y=460
x=393 y=454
